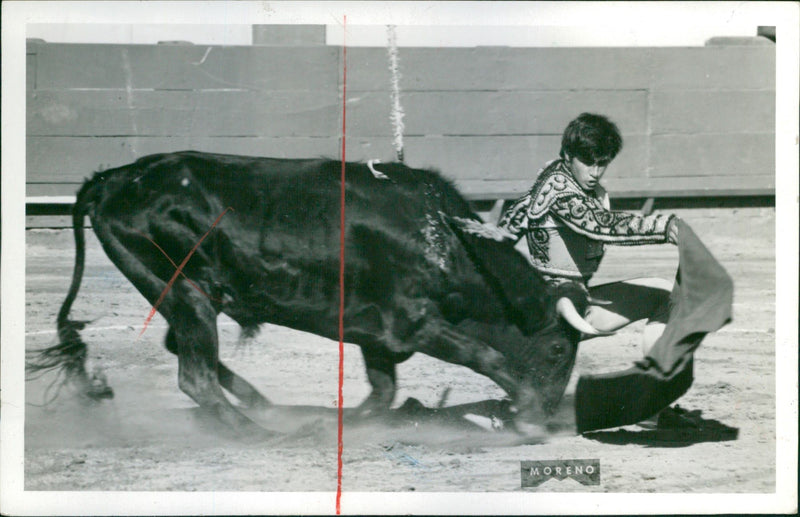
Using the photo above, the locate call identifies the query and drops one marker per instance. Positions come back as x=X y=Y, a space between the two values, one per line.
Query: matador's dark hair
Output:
x=592 y=139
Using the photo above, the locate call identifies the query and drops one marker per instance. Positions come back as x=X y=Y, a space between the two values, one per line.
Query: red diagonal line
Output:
x=341 y=282
x=178 y=272
x=176 y=266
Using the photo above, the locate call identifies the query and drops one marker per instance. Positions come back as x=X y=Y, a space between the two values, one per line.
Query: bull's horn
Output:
x=598 y=301
x=567 y=310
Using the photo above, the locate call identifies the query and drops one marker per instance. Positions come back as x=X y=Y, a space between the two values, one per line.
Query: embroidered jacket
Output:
x=567 y=227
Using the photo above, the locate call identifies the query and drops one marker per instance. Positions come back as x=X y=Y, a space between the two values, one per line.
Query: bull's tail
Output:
x=68 y=357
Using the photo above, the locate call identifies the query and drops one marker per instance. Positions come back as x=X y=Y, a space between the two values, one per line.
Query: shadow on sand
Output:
x=703 y=430
x=487 y=423
x=484 y=423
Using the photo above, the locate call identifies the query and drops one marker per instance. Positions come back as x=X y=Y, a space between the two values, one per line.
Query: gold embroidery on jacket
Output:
x=556 y=203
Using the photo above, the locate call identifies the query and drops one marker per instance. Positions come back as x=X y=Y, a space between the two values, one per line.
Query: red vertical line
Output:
x=341 y=278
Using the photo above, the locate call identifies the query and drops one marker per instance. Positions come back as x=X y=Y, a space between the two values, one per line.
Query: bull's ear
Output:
x=492 y=251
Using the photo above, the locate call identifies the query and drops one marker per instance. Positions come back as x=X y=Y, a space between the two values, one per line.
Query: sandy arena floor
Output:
x=151 y=437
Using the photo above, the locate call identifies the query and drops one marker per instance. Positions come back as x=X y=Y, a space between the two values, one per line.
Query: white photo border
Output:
x=15 y=500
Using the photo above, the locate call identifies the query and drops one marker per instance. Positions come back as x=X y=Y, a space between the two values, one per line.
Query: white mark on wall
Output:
x=126 y=67
x=203 y=60
x=397 y=114
x=58 y=114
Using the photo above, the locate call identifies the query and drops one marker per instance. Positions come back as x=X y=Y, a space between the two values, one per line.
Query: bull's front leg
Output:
x=381 y=365
x=448 y=343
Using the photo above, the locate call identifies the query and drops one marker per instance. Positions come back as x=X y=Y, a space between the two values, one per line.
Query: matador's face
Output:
x=587 y=176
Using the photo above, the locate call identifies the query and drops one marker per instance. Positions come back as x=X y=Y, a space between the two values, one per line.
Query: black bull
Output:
x=421 y=273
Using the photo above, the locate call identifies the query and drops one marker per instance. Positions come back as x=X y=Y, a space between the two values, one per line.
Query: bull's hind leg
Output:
x=191 y=317
x=381 y=372
x=230 y=380
x=194 y=326
x=243 y=390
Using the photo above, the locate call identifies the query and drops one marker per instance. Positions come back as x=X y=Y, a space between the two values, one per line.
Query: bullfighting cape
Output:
x=701 y=302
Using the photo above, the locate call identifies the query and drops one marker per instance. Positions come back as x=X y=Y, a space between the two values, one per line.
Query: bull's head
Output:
x=539 y=334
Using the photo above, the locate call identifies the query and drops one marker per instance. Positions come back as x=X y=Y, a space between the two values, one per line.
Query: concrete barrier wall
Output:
x=695 y=120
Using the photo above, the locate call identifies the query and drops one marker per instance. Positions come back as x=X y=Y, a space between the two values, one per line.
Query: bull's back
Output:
x=281 y=221
x=301 y=197
x=306 y=188
x=278 y=206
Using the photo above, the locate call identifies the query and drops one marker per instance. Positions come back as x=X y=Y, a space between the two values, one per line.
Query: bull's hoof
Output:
x=530 y=431
x=256 y=404
x=98 y=387
x=255 y=436
x=372 y=407
x=366 y=412
x=228 y=423
x=412 y=407
x=100 y=392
